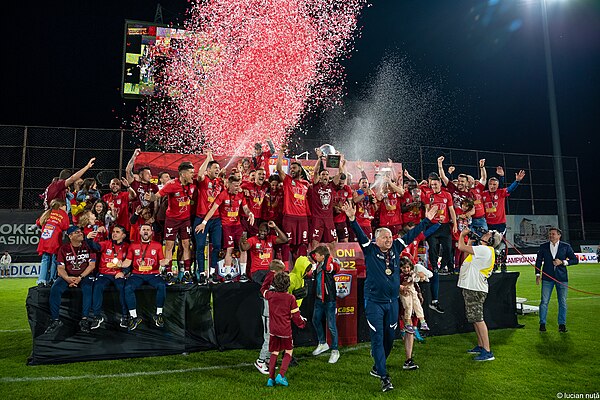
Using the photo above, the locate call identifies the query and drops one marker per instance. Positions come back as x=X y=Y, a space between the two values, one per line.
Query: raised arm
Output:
x=281 y=236
x=279 y=165
x=79 y=173
x=441 y=172
x=518 y=178
x=482 y=172
x=129 y=167
x=202 y=169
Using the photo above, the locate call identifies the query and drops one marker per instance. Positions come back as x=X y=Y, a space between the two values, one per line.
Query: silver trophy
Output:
x=332 y=156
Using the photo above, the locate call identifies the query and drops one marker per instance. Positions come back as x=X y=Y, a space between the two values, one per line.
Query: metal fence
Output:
x=33 y=155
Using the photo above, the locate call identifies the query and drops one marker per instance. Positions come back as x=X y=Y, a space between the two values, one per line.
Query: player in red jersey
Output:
x=260 y=158
x=390 y=212
x=180 y=192
x=494 y=200
x=262 y=246
x=209 y=185
x=341 y=195
x=53 y=222
x=413 y=208
x=366 y=206
x=118 y=202
x=145 y=259
x=139 y=188
x=295 y=208
x=255 y=192
x=467 y=187
x=229 y=203
x=273 y=203
x=321 y=204
x=112 y=253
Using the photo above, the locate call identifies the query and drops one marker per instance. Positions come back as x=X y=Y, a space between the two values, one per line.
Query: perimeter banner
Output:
x=18 y=233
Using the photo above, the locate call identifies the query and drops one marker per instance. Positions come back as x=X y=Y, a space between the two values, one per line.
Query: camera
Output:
x=476 y=233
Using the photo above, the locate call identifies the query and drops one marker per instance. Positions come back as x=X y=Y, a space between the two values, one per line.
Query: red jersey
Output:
x=229 y=207
x=273 y=205
x=495 y=206
x=261 y=252
x=52 y=232
x=109 y=255
x=256 y=196
x=208 y=191
x=180 y=199
x=145 y=257
x=121 y=202
x=390 y=213
x=321 y=200
x=55 y=190
x=340 y=196
x=262 y=161
x=100 y=237
x=412 y=250
x=415 y=213
x=75 y=259
x=476 y=194
x=141 y=189
x=294 y=197
x=365 y=210
x=443 y=200
x=281 y=305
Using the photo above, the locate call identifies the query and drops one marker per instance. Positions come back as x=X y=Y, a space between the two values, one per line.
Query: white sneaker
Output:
x=335 y=355
x=261 y=366
x=321 y=348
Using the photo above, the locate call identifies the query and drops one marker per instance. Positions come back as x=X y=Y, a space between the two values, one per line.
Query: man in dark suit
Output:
x=555 y=257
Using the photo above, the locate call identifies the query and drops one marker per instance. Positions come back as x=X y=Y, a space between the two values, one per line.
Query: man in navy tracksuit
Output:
x=382 y=286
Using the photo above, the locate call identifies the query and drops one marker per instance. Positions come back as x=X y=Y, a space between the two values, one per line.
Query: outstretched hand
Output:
x=430 y=214
x=349 y=209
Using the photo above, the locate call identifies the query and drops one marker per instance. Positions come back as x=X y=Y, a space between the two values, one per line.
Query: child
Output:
x=282 y=311
x=88 y=223
x=53 y=222
x=325 y=301
x=409 y=296
x=262 y=363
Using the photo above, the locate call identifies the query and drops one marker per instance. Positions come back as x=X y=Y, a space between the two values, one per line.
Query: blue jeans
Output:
x=215 y=229
x=98 y=298
x=382 y=319
x=59 y=287
x=479 y=223
x=48 y=264
x=137 y=280
x=325 y=309
x=561 y=293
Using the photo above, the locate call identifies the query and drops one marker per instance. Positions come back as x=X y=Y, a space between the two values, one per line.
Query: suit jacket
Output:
x=559 y=272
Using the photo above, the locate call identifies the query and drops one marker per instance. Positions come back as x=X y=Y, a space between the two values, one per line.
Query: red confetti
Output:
x=248 y=71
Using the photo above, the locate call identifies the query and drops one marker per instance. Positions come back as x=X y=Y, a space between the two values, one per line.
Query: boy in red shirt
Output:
x=262 y=246
x=53 y=222
x=282 y=311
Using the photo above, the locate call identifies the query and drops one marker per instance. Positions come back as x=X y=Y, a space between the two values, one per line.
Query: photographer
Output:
x=474 y=273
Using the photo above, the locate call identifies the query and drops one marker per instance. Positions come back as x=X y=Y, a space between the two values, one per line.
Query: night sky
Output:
x=62 y=67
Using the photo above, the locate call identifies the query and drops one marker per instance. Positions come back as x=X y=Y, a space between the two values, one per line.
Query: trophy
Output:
x=332 y=156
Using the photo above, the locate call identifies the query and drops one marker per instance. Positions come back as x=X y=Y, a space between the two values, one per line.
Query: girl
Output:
x=88 y=223
x=52 y=222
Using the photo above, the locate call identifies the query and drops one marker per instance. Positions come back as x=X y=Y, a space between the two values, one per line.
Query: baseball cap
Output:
x=72 y=229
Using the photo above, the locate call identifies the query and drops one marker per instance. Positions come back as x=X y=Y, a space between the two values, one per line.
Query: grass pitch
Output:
x=528 y=365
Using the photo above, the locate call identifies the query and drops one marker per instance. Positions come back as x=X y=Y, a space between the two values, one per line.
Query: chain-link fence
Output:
x=33 y=156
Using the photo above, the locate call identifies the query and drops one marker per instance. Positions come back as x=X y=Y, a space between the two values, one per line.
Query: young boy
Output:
x=262 y=362
x=282 y=311
x=409 y=296
x=325 y=301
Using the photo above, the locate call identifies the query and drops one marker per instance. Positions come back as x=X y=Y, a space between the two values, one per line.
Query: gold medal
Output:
x=388 y=271
x=115 y=260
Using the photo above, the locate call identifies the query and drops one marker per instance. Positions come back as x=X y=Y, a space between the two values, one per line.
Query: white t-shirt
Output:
x=477 y=268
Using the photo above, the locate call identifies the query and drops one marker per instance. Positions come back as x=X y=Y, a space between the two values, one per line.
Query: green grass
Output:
x=528 y=364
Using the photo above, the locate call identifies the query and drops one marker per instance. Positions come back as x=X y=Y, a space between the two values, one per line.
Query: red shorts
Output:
x=277 y=343
x=296 y=229
x=232 y=235
x=174 y=227
x=323 y=230
x=342 y=230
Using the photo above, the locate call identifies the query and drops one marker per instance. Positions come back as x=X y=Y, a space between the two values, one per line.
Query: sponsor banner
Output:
x=525 y=259
x=589 y=248
x=343 y=285
x=351 y=257
x=529 y=230
x=25 y=270
x=18 y=233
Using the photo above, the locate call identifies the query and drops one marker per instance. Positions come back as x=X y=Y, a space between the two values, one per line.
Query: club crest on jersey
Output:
x=445 y=200
x=137 y=252
x=108 y=252
x=343 y=285
x=153 y=252
x=119 y=201
x=177 y=194
x=227 y=202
